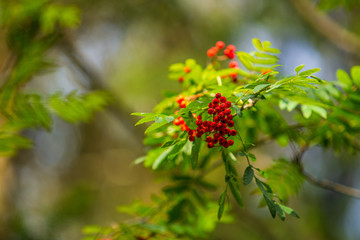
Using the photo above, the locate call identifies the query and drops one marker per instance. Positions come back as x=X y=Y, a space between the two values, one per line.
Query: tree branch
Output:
x=333 y=31
x=333 y=186
x=323 y=183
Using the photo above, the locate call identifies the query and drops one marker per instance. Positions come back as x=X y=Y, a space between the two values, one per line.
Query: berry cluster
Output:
x=187 y=69
x=181 y=101
x=216 y=131
x=229 y=51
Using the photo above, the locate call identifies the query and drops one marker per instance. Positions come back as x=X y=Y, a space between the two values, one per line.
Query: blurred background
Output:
x=76 y=175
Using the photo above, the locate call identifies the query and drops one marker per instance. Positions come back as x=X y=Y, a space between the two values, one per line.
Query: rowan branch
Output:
x=323 y=183
x=333 y=31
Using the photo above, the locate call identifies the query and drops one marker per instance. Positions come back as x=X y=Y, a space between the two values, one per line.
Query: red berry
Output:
x=226 y=130
x=229 y=117
x=227 y=111
x=220 y=44
x=211 y=52
x=232 y=48
x=233 y=75
x=216 y=119
x=215 y=101
x=229 y=54
x=223 y=106
x=208 y=139
x=179 y=98
x=233 y=64
x=199 y=117
x=191 y=132
x=210 y=105
x=233 y=132
x=228 y=104
x=231 y=142
x=210 y=145
x=213 y=125
x=182 y=104
x=181 y=120
x=218 y=95
x=177 y=121
x=181 y=79
x=230 y=123
x=191 y=138
x=199 y=122
x=223 y=99
x=210 y=111
x=187 y=69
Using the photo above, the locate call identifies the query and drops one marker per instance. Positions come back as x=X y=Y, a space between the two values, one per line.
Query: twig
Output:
x=333 y=186
x=337 y=34
x=323 y=183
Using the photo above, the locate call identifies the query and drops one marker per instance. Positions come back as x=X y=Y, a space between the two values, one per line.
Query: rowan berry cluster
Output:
x=229 y=51
x=216 y=131
x=186 y=69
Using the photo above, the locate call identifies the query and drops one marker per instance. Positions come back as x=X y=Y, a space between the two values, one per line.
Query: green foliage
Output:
x=33 y=28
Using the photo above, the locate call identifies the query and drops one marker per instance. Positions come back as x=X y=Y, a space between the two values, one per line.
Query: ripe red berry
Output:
x=187 y=69
x=211 y=52
x=230 y=123
x=181 y=79
x=215 y=101
x=233 y=132
x=223 y=99
x=182 y=104
x=210 y=105
x=210 y=145
x=209 y=139
x=229 y=54
x=233 y=64
x=223 y=106
x=230 y=142
x=227 y=111
x=191 y=138
x=210 y=111
x=229 y=117
x=218 y=95
x=220 y=44
x=199 y=122
x=179 y=98
x=233 y=75
x=199 y=117
x=216 y=119
x=228 y=104
x=176 y=121
x=232 y=48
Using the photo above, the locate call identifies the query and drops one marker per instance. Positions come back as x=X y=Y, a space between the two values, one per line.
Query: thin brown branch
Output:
x=333 y=186
x=333 y=31
x=323 y=183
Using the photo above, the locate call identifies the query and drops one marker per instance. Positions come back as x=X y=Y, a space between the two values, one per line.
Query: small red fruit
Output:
x=218 y=95
x=223 y=99
x=233 y=132
x=231 y=142
x=181 y=79
x=232 y=48
x=191 y=138
x=210 y=145
x=230 y=123
x=233 y=64
x=211 y=52
x=220 y=44
x=182 y=104
x=187 y=69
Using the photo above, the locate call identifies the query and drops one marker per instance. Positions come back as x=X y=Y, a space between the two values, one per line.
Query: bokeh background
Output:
x=76 y=175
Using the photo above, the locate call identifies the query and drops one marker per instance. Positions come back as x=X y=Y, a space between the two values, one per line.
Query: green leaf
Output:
x=248 y=175
x=344 y=79
x=309 y=72
x=288 y=210
x=195 y=152
x=260 y=87
x=159 y=119
x=235 y=190
x=189 y=119
x=252 y=157
x=355 y=74
x=298 y=68
x=271 y=205
x=319 y=110
x=237 y=110
x=154 y=126
x=169 y=143
x=221 y=204
x=306 y=110
x=257 y=44
x=161 y=158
